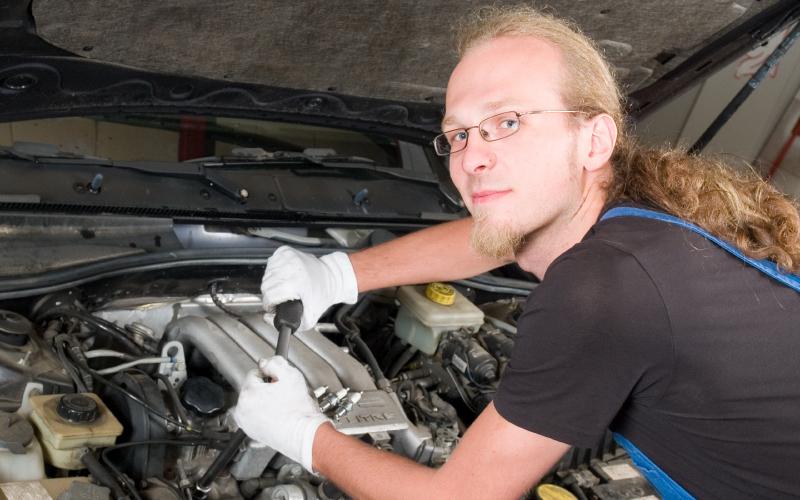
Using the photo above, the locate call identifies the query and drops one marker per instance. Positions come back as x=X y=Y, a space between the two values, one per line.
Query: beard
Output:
x=494 y=240
x=503 y=240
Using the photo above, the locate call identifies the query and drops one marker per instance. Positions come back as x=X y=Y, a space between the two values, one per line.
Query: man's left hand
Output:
x=280 y=412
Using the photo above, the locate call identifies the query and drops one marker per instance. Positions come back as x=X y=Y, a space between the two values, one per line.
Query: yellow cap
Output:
x=441 y=293
x=553 y=492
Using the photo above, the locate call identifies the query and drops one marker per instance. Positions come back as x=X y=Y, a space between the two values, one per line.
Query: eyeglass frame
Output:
x=478 y=126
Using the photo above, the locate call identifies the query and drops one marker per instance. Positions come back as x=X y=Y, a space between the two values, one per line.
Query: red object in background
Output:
x=192 y=141
x=776 y=164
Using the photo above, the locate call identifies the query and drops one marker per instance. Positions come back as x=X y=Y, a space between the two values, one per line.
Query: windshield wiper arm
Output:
x=341 y=163
x=179 y=170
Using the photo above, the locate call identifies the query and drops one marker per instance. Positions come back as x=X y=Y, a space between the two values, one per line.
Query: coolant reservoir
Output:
x=20 y=452
x=428 y=311
x=68 y=424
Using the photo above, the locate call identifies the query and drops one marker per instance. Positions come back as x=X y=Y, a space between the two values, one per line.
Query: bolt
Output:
x=24 y=361
x=97 y=184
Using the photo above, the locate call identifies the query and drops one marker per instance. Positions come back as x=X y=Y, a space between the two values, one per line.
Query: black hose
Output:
x=401 y=361
x=98 y=324
x=221 y=461
x=173 y=442
x=416 y=373
x=396 y=349
x=102 y=475
x=250 y=487
x=366 y=354
x=348 y=327
x=143 y=404
x=76 y=352
x=180 y=411
x=213 y=292
x=460 y=390
x=68 y=367
x=83 y=365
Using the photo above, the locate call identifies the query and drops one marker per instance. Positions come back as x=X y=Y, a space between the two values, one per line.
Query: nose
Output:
x=477 y=157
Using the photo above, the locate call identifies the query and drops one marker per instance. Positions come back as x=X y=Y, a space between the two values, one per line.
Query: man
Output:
x=638 y=325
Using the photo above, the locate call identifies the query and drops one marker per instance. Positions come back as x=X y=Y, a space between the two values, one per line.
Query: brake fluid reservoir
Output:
x=20 y=452
x=428 y=311
x=68 y=424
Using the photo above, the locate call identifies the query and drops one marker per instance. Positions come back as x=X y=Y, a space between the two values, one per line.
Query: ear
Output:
x=603 y=138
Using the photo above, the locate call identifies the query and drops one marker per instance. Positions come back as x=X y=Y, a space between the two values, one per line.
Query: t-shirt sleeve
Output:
x=594 y=337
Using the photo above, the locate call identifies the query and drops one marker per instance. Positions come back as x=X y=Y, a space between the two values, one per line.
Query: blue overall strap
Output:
x=667 y=488
x=765 y=266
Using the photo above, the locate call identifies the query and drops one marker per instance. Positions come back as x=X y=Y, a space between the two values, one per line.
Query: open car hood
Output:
x=383 y=67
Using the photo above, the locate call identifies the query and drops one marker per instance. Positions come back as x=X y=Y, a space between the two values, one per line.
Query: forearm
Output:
x=438 y=253
x=495 y=459
x=365 y=472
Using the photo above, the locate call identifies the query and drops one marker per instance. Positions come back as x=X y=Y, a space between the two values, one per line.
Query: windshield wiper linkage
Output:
x=180 y=170
x=166 y=169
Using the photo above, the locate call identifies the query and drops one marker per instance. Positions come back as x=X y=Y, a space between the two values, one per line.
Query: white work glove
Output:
x=317 y=282
x=280 y=414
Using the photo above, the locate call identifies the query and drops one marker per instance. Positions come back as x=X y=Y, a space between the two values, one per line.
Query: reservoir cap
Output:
x=77 y=408
x=441 y=293
x=553 y=492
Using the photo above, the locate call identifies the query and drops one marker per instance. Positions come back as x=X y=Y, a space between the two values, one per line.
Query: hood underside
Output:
x=394 y=52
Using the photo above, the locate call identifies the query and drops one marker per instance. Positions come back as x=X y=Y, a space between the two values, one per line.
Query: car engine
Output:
x=132 y=390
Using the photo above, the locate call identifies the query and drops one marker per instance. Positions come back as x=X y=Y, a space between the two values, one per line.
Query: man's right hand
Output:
x=318 y=282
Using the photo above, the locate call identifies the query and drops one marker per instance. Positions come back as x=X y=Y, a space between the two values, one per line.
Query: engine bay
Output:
x=126 y=385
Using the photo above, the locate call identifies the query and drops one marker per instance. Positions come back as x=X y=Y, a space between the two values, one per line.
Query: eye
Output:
x=457 y=136
x=509 y=123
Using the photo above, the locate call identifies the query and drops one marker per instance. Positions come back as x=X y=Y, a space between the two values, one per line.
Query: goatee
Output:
x=494 y=240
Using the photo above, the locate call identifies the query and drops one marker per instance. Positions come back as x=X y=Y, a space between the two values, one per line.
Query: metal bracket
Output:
x=175 y=369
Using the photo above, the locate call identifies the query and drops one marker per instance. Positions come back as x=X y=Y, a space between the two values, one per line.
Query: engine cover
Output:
x=234 y=346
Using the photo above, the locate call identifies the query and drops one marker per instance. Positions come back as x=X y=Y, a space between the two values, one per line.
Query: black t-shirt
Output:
x=656 y=333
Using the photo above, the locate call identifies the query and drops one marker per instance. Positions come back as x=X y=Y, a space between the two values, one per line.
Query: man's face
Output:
x=520 y=185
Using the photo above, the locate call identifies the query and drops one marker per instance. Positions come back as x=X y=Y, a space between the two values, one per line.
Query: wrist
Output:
x=312 y=425
x=319 y=446
x=344 y=275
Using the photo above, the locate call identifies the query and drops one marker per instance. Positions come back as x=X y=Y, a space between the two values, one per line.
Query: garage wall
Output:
x=780 y=157
x=89 y=137
x=763 y=121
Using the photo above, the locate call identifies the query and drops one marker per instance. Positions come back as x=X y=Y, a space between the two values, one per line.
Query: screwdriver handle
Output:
x=288 y=316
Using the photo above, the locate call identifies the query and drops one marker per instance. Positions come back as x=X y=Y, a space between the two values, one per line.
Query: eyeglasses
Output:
x=494 y=128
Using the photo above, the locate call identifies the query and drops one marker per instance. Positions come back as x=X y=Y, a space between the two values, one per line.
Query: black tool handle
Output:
x=288 y=316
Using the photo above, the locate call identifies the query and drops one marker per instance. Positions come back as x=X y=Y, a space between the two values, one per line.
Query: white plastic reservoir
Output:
x=20 y=452
x=428 y=311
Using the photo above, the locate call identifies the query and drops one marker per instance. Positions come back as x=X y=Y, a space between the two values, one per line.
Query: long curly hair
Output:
x=735 y=205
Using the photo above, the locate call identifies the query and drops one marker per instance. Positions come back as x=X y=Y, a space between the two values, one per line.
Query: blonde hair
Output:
x=588 y=83
x=735 y=206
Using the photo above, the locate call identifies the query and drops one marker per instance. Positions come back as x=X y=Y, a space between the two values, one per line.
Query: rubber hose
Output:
x=102 y=475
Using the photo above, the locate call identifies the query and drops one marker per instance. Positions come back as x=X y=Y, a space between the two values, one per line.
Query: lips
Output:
x=488 y=195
